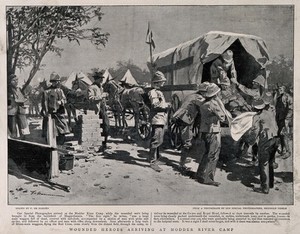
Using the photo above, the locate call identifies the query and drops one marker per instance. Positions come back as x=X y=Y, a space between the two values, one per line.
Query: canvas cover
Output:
x=185 y=63
x=80 y=75
x=129 y=79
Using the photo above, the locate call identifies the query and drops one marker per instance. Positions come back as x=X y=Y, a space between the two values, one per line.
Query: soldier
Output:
x=15 y=109
x=185 y=118
x=53 y=106
x=223 y=68
x=251 y=94
x=159 y=116
x=232 y=99
x=255 y=92
x=212 y=112
x=284 y=116
x=97 y=103
x=264 y=130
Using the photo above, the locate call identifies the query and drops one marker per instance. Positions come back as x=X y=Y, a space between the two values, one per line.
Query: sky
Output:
x=171 y=25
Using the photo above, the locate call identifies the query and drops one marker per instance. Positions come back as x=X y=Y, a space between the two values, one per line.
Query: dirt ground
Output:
x=122 y=176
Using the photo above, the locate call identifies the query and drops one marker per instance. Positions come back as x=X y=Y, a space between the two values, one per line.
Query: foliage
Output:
x=281 y=71
x=33 y=31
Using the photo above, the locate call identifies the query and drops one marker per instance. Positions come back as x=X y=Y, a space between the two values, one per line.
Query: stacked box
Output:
x=89 y=129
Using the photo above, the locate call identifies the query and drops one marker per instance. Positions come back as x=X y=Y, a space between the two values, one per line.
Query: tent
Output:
x=129 y=79
x=72 y=77
x=189 y=62
x=107 y=76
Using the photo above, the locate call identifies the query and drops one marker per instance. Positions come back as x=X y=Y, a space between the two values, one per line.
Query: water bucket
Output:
x=66 y=162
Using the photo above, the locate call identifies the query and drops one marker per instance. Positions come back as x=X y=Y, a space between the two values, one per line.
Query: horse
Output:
x=77 y=98
x=127 y=100
x=34 y=97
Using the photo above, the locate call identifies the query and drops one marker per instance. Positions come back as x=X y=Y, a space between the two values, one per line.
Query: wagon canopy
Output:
x=189 y=62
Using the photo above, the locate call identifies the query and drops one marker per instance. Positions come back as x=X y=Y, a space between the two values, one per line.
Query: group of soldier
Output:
x=220 y=100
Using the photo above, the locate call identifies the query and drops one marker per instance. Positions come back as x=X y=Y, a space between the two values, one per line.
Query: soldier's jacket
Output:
x=264 y=128
x=189 y=109
x=211 y=115
x=159 y=107
x=53 y=100
x=284 y=107
x=95 y=97
x=15 y=101
x=218 y=71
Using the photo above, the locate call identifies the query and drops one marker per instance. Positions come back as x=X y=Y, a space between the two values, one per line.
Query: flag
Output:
x=149 y=37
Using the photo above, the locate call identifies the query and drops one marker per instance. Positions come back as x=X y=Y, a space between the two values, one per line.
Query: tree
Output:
x=33 y=31
x=281 y=71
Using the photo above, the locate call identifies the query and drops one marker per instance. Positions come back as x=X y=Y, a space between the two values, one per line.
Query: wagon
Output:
x=188 y=64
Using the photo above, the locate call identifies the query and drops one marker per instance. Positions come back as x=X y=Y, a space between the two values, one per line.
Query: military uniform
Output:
x=185 y=117
x=159 y=118
x=16 y=113
x=97 y=103
x=264 y=131
x=222 y=68
x=53 y=101
x=284 y=116
x=211 y=115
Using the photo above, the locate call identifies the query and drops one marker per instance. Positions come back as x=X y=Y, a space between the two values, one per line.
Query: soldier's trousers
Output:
x=186 y=137
x=16 y=122
x=157 y=138
x=207 y=166
x=266 y=158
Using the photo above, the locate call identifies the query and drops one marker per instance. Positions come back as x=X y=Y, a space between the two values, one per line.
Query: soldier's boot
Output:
x=152 y=158
x=184 y=160
x=159 y=158
x=152 y=155
x=287 y=152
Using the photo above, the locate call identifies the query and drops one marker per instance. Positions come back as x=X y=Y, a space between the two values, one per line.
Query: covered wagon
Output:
x=188 y=64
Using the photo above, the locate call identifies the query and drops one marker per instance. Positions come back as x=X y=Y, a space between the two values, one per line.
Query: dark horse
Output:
x=123 y=101
x=77 y=98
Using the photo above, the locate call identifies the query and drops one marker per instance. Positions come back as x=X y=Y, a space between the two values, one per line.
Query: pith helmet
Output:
x=258 y=104
x=158 y=77
x=54 y=77
x=259 y=80
x=228 y=56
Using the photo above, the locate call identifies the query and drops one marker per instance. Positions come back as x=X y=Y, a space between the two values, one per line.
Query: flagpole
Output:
x=150 y=47
x=151 y=59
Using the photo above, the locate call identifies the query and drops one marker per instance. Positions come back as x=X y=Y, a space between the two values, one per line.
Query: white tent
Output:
x=72 y=77
x=107 y=76
x=129 y=79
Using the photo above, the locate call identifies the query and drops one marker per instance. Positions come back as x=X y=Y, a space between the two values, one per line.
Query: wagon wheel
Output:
x=143 y=129
x=143 y=125
x=175 y=136
x=174 y=130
